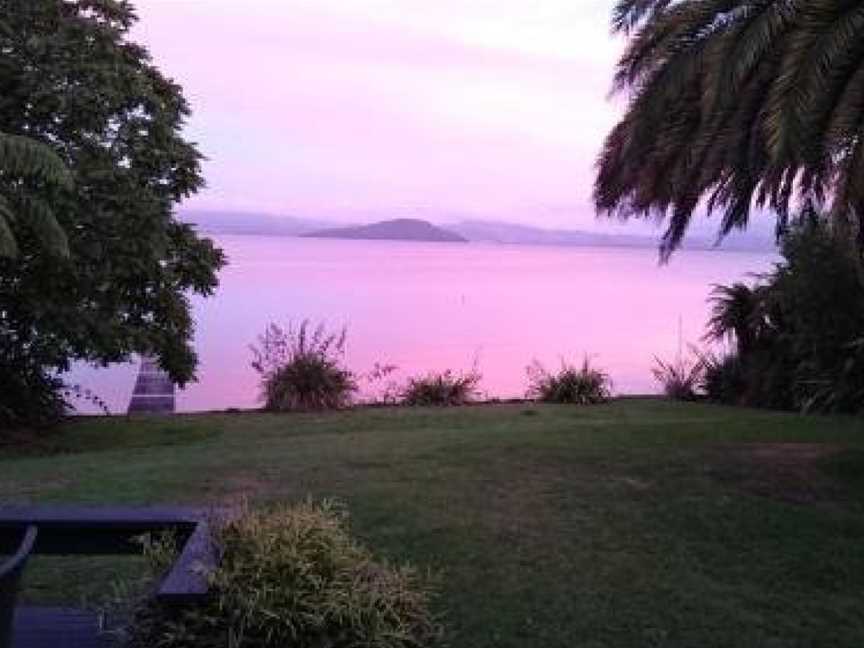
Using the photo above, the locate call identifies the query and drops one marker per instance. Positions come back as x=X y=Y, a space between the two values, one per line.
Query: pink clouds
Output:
x=496 y=108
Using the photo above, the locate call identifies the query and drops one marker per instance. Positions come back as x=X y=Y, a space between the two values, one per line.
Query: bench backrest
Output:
x=81 y=530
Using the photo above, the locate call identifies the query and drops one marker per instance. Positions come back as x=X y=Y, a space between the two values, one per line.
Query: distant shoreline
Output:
x=601 y=245
x=471 y=231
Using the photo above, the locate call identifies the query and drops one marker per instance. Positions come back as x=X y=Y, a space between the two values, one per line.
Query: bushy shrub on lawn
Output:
x=293 y=576
x=442 y=389
x=303 y=369
x=583 y=385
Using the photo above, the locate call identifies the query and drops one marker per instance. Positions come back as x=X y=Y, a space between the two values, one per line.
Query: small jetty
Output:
x=154 y=390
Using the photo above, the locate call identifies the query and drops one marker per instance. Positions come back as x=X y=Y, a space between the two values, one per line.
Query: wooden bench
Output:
x=75 y=530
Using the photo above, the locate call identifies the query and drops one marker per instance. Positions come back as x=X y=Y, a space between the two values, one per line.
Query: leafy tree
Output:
x=71 y=81
x=735 y=103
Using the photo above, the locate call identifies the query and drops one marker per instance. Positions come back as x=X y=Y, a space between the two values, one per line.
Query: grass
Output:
x=637 y=523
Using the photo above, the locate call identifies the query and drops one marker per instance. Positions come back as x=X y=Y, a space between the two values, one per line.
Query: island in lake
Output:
x=401 y=229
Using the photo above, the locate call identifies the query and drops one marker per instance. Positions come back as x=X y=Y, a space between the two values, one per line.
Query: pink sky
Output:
x=331 y=107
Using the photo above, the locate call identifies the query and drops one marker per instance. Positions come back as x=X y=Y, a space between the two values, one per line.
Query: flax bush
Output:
x=442 y=389
x=583 y=385
x=682 y=378
x=302 y=368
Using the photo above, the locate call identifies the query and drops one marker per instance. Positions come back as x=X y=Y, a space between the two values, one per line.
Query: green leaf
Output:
x=26 y=158
x=41 y=219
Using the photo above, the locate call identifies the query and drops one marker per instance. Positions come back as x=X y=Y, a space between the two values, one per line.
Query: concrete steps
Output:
x=154 y=392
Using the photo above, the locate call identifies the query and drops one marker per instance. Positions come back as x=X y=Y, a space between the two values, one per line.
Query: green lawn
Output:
x=639 y=523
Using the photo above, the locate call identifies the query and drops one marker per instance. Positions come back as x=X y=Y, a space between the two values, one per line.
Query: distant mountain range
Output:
x=473 y=230
x=514 y=234
x=228 y=222
x=400 y=229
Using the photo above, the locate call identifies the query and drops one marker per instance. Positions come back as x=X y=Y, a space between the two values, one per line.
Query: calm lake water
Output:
x=425 y=306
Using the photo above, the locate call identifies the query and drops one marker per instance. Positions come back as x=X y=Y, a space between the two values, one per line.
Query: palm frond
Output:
x=26 y=158
x=28 y=166
x=41 y=219
x=736 y=103
x=8 y=245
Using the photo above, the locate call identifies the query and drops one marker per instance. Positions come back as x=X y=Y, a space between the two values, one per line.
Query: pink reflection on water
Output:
x=436 y=306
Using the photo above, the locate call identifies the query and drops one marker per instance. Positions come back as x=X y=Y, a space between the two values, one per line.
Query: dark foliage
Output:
x=442 y=389
x=302 y=368
x=29 y=397
x=736 y=102
x=723 y=378
x=573 y=385
x=30 y=169
x=799 y=332
x=113 y=277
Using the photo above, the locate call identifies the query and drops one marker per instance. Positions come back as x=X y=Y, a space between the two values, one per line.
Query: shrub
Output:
x=30 y=396
x=33 y=397
x=723 y=378
x=680 y=379
x=292 y=576
x=798 y=329
x=302 y=369
x=841 y=392
x=584 y=385
x=442 y=389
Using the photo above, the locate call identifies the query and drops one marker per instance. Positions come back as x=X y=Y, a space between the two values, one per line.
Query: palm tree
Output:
x=736 y=313
x=27 y=170
x=736 y=103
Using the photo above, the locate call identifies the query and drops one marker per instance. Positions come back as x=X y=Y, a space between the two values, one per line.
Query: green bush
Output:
x=302 y=369
x=293 y=577
x=583 y=385
x=442 y=389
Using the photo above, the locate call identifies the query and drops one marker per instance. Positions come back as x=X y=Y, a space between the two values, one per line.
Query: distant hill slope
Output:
x=515 y=234
x=401 y=229
x=228 y=222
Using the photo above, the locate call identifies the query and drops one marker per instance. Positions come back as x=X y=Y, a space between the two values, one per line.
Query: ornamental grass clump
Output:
x=681 y=379
x=302 y=369
x=293 y=576
x=442 y=389
x=573 y=385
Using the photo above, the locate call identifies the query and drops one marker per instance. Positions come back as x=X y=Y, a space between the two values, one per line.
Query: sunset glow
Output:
x=490 y=109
